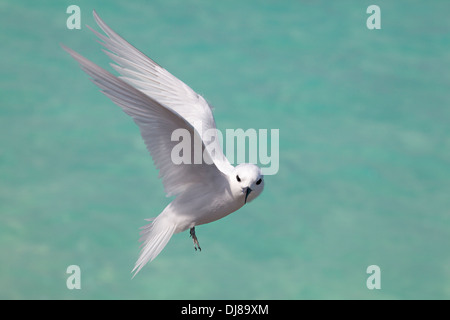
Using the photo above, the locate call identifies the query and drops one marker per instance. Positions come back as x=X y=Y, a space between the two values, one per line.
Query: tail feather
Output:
x=154 y=237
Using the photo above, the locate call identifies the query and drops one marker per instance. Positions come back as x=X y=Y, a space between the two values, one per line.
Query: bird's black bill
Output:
x=247 y=193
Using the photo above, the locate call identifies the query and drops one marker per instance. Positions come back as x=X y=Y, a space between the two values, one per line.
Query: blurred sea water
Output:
x=364 y=151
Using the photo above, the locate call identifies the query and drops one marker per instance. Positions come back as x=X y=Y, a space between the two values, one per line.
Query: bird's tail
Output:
x=154 y=237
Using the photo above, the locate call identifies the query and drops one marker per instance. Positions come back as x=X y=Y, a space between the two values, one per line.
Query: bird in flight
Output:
x=160 y=104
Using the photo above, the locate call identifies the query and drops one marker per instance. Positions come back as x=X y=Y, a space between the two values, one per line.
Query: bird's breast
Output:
x=205 y=207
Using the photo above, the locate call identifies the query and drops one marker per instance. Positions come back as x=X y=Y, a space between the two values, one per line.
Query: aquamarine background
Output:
x=364 y=120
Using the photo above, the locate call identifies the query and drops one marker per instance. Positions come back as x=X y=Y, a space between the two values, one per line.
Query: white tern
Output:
x=160 y=103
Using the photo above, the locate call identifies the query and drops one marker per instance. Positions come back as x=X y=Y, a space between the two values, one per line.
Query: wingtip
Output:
x=135 y=271
x=96 y=16
x=67 y=49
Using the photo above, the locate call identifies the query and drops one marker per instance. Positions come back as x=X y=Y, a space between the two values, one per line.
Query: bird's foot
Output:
x=194 y=237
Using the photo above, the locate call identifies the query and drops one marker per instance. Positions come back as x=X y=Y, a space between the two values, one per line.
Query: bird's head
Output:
x=248 y=181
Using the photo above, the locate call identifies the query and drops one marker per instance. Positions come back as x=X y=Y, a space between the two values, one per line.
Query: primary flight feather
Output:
x=159 y=104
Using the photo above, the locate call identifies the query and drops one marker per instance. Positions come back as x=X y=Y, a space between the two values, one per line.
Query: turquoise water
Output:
x=364 y=174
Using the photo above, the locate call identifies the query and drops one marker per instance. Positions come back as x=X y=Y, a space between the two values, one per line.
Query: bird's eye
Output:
x=258 y=182
x=238 y=179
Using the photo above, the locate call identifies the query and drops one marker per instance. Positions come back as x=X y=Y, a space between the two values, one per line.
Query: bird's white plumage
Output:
x=147 y=76
x=160 y=103
x=156 y=124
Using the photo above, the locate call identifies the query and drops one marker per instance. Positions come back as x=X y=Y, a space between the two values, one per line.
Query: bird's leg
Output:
x=194 y=237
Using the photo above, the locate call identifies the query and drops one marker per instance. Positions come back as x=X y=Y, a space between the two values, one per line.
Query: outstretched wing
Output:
x=156 y=123
x=148 y=77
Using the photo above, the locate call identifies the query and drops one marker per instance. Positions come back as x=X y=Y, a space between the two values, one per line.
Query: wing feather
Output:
x=156 y=124
x=156 y=82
